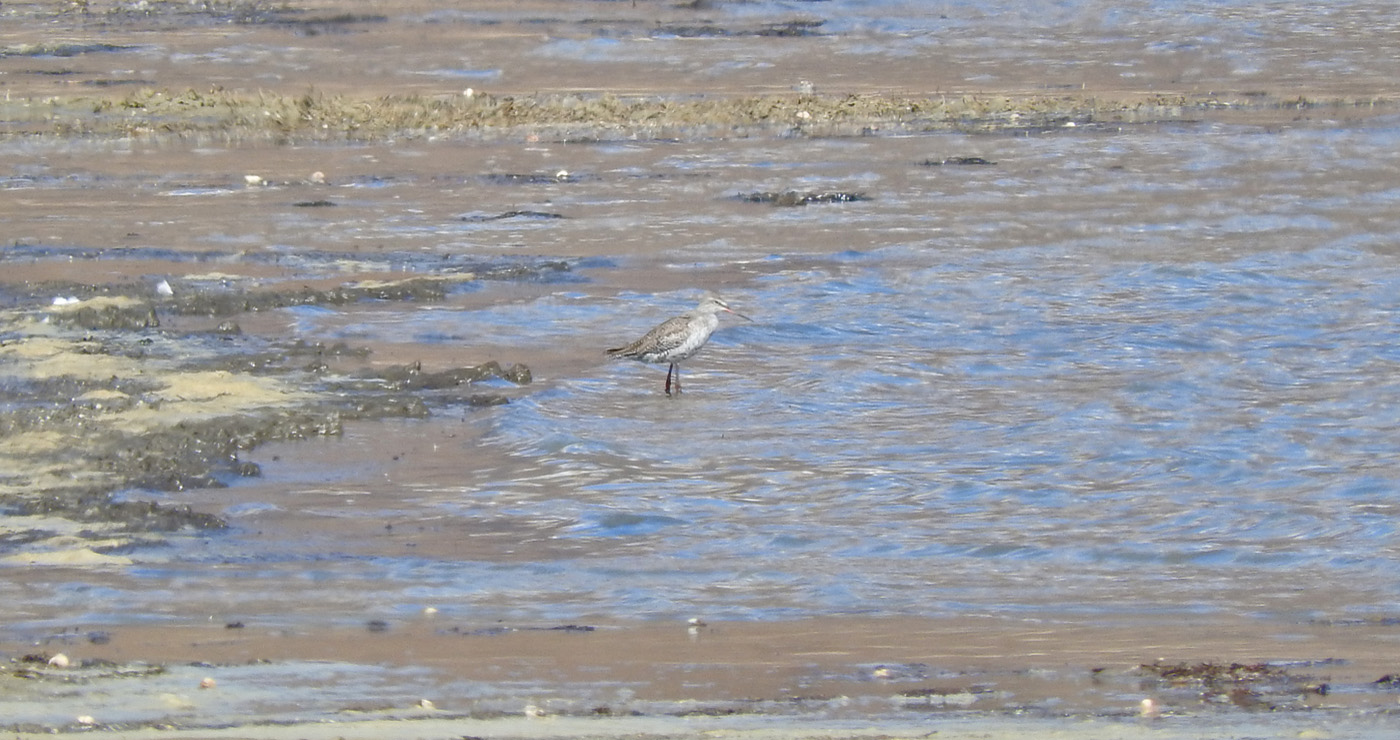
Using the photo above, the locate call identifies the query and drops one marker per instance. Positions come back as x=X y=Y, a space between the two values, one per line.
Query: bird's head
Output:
x=715 y=304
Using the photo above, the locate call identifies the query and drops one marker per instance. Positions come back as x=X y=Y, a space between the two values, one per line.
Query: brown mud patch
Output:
x=789 y=198
x=890 y=669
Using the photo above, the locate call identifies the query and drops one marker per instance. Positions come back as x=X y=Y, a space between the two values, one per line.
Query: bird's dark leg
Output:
x=669 y=370
x=678 y=380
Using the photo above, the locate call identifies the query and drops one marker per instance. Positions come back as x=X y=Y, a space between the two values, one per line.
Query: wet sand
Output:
x=433 y=48
x=747 y=727
x=74 y=79
x=985 y=677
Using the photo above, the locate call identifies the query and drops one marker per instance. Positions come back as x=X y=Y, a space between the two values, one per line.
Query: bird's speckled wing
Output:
x=668 y=337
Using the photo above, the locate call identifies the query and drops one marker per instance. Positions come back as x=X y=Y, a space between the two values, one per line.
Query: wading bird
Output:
x=677 y=338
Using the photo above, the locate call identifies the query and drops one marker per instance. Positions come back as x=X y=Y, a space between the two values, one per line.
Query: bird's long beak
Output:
x=736 y=313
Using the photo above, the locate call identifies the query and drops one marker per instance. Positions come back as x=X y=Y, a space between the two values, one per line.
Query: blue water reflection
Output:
x=1207 y=425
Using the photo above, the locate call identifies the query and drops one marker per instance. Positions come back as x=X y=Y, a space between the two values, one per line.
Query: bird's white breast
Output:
x=687 y=342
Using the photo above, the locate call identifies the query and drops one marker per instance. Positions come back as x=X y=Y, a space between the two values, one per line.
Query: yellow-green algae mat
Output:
x=41 y=458
x=85 y=413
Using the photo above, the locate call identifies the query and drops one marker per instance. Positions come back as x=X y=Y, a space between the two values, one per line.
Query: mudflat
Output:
x=211 y=208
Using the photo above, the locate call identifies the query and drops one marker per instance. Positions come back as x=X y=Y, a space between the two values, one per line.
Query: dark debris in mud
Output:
x=1214 y=673
x=789 y=198
x=1385 y=621
x=958 y=162
x=191 y=454
x=509 y=215
x=134 y=306
x=413 y=377
x=133 y=314
x=516 y=178
x=944 y=696
x=226 y=303
x=61 y=49
x=29 y=402
x=219 y=12
x=38 y=667
x=502 y=629
x=417 y=265
x=316 y=25
x=1253 y=686
x=785 y=29
x=136 y=516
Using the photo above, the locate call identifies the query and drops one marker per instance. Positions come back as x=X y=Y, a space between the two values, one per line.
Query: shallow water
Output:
x=1136 y=370
x=1123 y=405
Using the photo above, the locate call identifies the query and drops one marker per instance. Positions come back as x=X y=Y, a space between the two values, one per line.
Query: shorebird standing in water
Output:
x=677 y=338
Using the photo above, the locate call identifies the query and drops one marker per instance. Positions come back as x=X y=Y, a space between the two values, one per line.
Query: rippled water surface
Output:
x=1110 y=370
x=1137 y=370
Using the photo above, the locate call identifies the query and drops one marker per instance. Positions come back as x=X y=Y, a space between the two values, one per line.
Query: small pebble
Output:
x=59 y=661
x=207 y=683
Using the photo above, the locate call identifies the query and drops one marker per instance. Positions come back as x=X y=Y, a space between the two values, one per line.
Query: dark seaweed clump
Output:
x=60 y=49
x=958 y=162
x=789 y=198
x=413 y=377
x=144 y=308
x=787 y=29
x=137 y=315
x=135 y=516
x=1256 y=686
x=506 y=215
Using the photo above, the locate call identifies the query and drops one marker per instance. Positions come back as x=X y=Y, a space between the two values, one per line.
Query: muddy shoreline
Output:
x=552 y=70
x=195 y=678
x=220 y=115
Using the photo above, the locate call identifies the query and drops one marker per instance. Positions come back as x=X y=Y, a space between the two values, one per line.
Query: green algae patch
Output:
x=313 y=116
